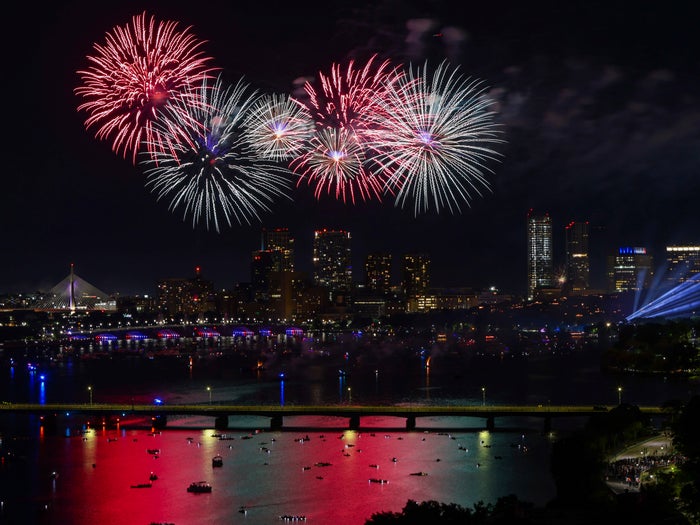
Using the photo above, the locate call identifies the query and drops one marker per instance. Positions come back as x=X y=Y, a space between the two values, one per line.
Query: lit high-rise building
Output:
x=682 y=263
x=416 y=274
x=378 y=272
x=280 y=242
x=332 y=259
x=262 y=264
x=629 y=270
x=185 y=296
x=577 y=260
x=540 y=263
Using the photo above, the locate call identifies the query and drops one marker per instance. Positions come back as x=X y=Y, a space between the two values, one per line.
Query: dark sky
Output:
x=599 y=103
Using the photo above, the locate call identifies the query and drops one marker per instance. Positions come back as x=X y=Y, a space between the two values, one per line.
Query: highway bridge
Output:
x=276 y=413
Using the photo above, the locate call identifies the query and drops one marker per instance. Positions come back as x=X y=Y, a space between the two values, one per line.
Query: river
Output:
x=82 y=473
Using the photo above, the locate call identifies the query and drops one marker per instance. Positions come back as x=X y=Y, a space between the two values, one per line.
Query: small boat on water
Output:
x=419 y=473
x=378 y=480
x=199 y=487
x=142 y=486
x=153 y=451
x=217 y=461
x=153 y=476
x=293 y=517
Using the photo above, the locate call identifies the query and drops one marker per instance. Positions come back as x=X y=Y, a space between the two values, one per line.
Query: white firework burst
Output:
x=209 y=171
x=433 y=138
x=277 y=127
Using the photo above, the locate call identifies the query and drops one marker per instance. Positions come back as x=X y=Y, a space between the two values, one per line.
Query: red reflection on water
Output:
x=323 y=475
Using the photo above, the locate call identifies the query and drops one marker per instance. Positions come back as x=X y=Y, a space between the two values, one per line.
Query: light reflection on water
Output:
x=83 y=494
x=278 y=473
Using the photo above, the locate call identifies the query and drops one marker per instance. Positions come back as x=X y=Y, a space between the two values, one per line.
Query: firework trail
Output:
x=277 y=127
x=335 y=162
x=139 y=70
x=209 y=171
x=433 y=137
x=337 y=157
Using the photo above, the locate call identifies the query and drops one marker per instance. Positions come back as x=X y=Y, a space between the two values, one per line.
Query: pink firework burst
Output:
x=138 y=70
x=344 y=107
x=348 y=96
x=335 y=164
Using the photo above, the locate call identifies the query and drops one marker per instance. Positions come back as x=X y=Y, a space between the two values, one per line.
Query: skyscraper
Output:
x=262 y=264
x=577 y=260
x=540 y=263
x=378 y=272
x=629 y=270
x=416 y=274
x=683 y=262
x=332 y=260
x=280 y=242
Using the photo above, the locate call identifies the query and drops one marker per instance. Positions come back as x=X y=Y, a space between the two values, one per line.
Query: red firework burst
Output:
x=335 y=163
x=348 y=97
x=345 y=106
x=140 y=68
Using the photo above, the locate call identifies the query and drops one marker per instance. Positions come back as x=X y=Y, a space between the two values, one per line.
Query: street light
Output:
x=483 y=396
x=209 y=390
x=90 y=392
x=619 y=395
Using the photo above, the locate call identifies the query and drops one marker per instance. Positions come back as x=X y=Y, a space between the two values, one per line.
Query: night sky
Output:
x=599 y=106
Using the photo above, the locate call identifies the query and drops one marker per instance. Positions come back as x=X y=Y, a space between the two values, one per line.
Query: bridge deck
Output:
x=316 y=410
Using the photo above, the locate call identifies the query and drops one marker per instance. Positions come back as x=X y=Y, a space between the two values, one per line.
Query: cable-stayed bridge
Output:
x=74 y=293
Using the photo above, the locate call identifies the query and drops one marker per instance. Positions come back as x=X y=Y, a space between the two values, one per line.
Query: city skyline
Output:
x=599 y=107
x=674 y=264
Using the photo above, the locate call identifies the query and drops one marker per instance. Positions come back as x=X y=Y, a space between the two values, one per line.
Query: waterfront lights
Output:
x=483 y=396
x=90 y=392
x=209 y=390
x=619 y=395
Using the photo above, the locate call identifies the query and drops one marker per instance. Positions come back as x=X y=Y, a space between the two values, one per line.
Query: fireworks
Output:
x=138 y=71
x=335 y=161
x=348 y=97
x=209 y=171
x=277 y=127
x=336 y=158
x=216 y=153
x=433 y=137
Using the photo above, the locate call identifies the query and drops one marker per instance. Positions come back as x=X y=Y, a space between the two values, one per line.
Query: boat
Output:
x=153 y=451
x=142 y=486
x=419 y=473
x=153 y=476
x=293 y=517
x=378 y=480
x=199 y=487
x=217 y=461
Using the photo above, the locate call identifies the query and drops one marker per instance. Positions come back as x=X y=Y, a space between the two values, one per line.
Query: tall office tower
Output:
x=683 y=262
x=261 y=266
x=378 y=272
x=577 y=260
x=629 y=270
x=416 y=274
x=281 y=243
x=540 y=263
x=331 y=259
